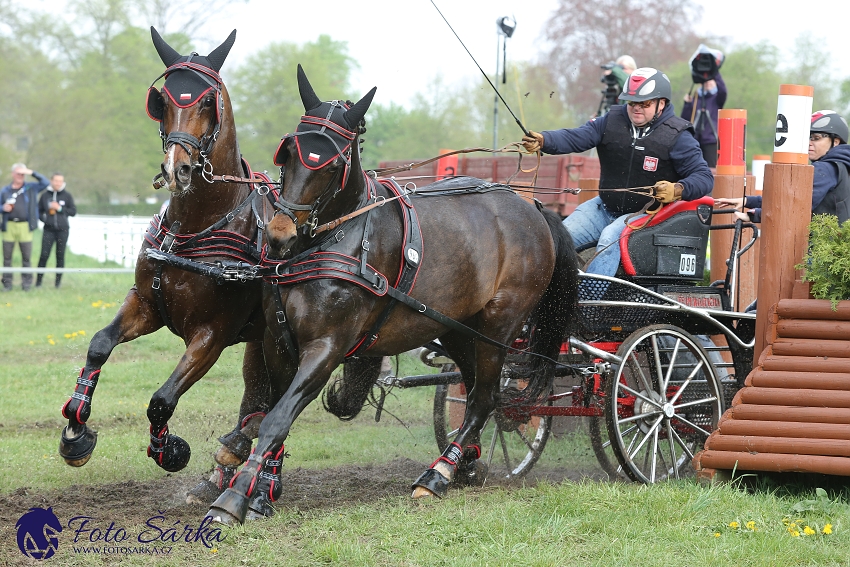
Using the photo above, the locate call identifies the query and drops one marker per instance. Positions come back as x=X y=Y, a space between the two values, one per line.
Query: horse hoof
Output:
x=77 y=451
x=206 y=491
x=431 y=483
x=175 y=454
x=229 y=509
x=419 y=492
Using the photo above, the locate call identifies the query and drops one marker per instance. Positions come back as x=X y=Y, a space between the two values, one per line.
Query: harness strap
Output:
x=221 y=222
x=156 y=286
x=283 y=325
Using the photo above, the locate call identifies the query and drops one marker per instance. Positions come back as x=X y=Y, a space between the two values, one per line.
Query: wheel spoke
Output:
x=525 y=440
x=694 y=425
x=640 y=395
x=645 y=437
x=508 y=464
x=673 y=458
x=456 y=400
x=653 y=454
x=684 y=384
x=635 y=365
x=670 y=368
x=682 y=443
x=656 y=356
x=696 y=402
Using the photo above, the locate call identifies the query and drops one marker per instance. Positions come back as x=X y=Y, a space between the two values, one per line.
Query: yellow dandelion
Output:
x=751 y=525
x=32 y=342
x=794 y=533
x=82 y=333
x=809 y=531
x=827 y=529
x=29 y=316
x=97 y=303
x=74 y=335
x=716 y=534
x=67 y=335
x=51 y=341
x=733 y=525
x=214 y=550
x=49 y=336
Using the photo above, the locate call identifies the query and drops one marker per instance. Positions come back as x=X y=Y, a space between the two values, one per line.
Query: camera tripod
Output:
x=700 y=116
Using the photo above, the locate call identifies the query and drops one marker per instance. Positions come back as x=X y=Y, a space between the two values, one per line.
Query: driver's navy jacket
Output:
x=668 y=151
x=830 y=187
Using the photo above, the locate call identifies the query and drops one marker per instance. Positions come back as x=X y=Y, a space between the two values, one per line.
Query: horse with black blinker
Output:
x=182 y=272
x=355 y=266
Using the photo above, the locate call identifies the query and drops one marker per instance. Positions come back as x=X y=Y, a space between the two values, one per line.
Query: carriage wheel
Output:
x=509 y=447
x=664 y=400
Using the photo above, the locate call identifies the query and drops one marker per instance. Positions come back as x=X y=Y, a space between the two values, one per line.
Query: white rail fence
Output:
x=108 y=238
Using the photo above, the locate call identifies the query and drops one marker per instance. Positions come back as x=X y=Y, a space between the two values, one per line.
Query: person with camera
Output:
x=20 y=219
x=702 y=111
x=615 y=75
x=54 y=207
x=830 y=156
x=647 y=156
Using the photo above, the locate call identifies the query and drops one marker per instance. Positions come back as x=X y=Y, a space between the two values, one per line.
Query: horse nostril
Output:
x=166 y=174
x=184 y=174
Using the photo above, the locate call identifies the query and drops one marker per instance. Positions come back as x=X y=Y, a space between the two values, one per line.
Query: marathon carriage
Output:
x=657 y=357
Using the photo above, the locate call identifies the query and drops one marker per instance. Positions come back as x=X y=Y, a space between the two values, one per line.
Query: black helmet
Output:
x=830 y=122
x=646 y=83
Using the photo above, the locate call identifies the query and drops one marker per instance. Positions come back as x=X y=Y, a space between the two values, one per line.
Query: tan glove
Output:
x=667 y=192
x=533 y=142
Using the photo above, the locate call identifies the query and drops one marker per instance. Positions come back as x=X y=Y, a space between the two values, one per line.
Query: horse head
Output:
x=194 y=113
x=321 y=176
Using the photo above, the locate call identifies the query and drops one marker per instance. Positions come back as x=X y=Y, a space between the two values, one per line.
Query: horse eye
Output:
x=209 y=101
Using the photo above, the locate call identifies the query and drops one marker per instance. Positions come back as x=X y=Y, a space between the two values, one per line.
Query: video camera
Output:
x=705 y=63
x=611 y=91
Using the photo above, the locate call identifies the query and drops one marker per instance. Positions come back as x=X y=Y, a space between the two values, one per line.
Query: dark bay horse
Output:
x=207 y=220
x=463 y=260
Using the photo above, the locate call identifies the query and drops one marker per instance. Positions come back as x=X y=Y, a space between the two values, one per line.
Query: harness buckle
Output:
x=230 y=216
x=365 y=245
x=155 y=284
x=281 y=316
x=339 y=235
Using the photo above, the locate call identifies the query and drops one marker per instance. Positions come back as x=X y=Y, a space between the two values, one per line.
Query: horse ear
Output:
x=219 y=54
x=356 y=113
x=308 y=95
x=167 y=53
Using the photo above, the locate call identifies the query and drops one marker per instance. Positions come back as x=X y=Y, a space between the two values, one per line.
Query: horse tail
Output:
x=346 y=396
x=550 y=321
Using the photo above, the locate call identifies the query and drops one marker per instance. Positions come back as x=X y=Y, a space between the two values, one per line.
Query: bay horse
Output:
x=469 y=261
x=208 y=220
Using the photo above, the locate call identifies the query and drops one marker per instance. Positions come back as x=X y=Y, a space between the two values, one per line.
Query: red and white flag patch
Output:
x=186 y=96
x=313 y=157
x=650 y=163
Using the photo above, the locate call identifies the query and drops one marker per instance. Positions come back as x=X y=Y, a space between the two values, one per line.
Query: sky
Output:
x=402 y=45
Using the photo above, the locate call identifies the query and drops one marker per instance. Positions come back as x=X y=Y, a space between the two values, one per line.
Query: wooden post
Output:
x=589 y=189
x=786 y=205
x=731 y=181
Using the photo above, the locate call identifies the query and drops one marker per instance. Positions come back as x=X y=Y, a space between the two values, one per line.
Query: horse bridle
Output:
x=184 y=139
x=316 y=208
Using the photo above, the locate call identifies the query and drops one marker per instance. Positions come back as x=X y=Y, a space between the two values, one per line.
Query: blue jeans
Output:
x=591 y=223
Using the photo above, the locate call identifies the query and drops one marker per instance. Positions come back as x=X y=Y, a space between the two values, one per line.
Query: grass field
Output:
x=43 y=344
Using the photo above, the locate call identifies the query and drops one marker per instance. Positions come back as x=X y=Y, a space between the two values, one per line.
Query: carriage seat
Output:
x=670 y=247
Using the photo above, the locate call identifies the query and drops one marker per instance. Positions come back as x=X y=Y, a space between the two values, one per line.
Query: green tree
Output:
x=264 y=91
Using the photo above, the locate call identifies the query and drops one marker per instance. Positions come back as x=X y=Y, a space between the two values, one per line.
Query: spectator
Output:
x=642 y=144
x=55 y=205
x=623 y=67
x=830 y=156
x=702 y=111
x=20 y=219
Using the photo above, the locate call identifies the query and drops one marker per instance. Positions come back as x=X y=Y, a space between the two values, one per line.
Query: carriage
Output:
x=653 y=359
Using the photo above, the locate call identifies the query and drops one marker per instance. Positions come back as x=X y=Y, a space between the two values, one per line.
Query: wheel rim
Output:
x=665 y=399
x=511 y=442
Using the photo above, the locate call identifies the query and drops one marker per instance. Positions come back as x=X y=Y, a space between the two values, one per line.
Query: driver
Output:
x=640 y=144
